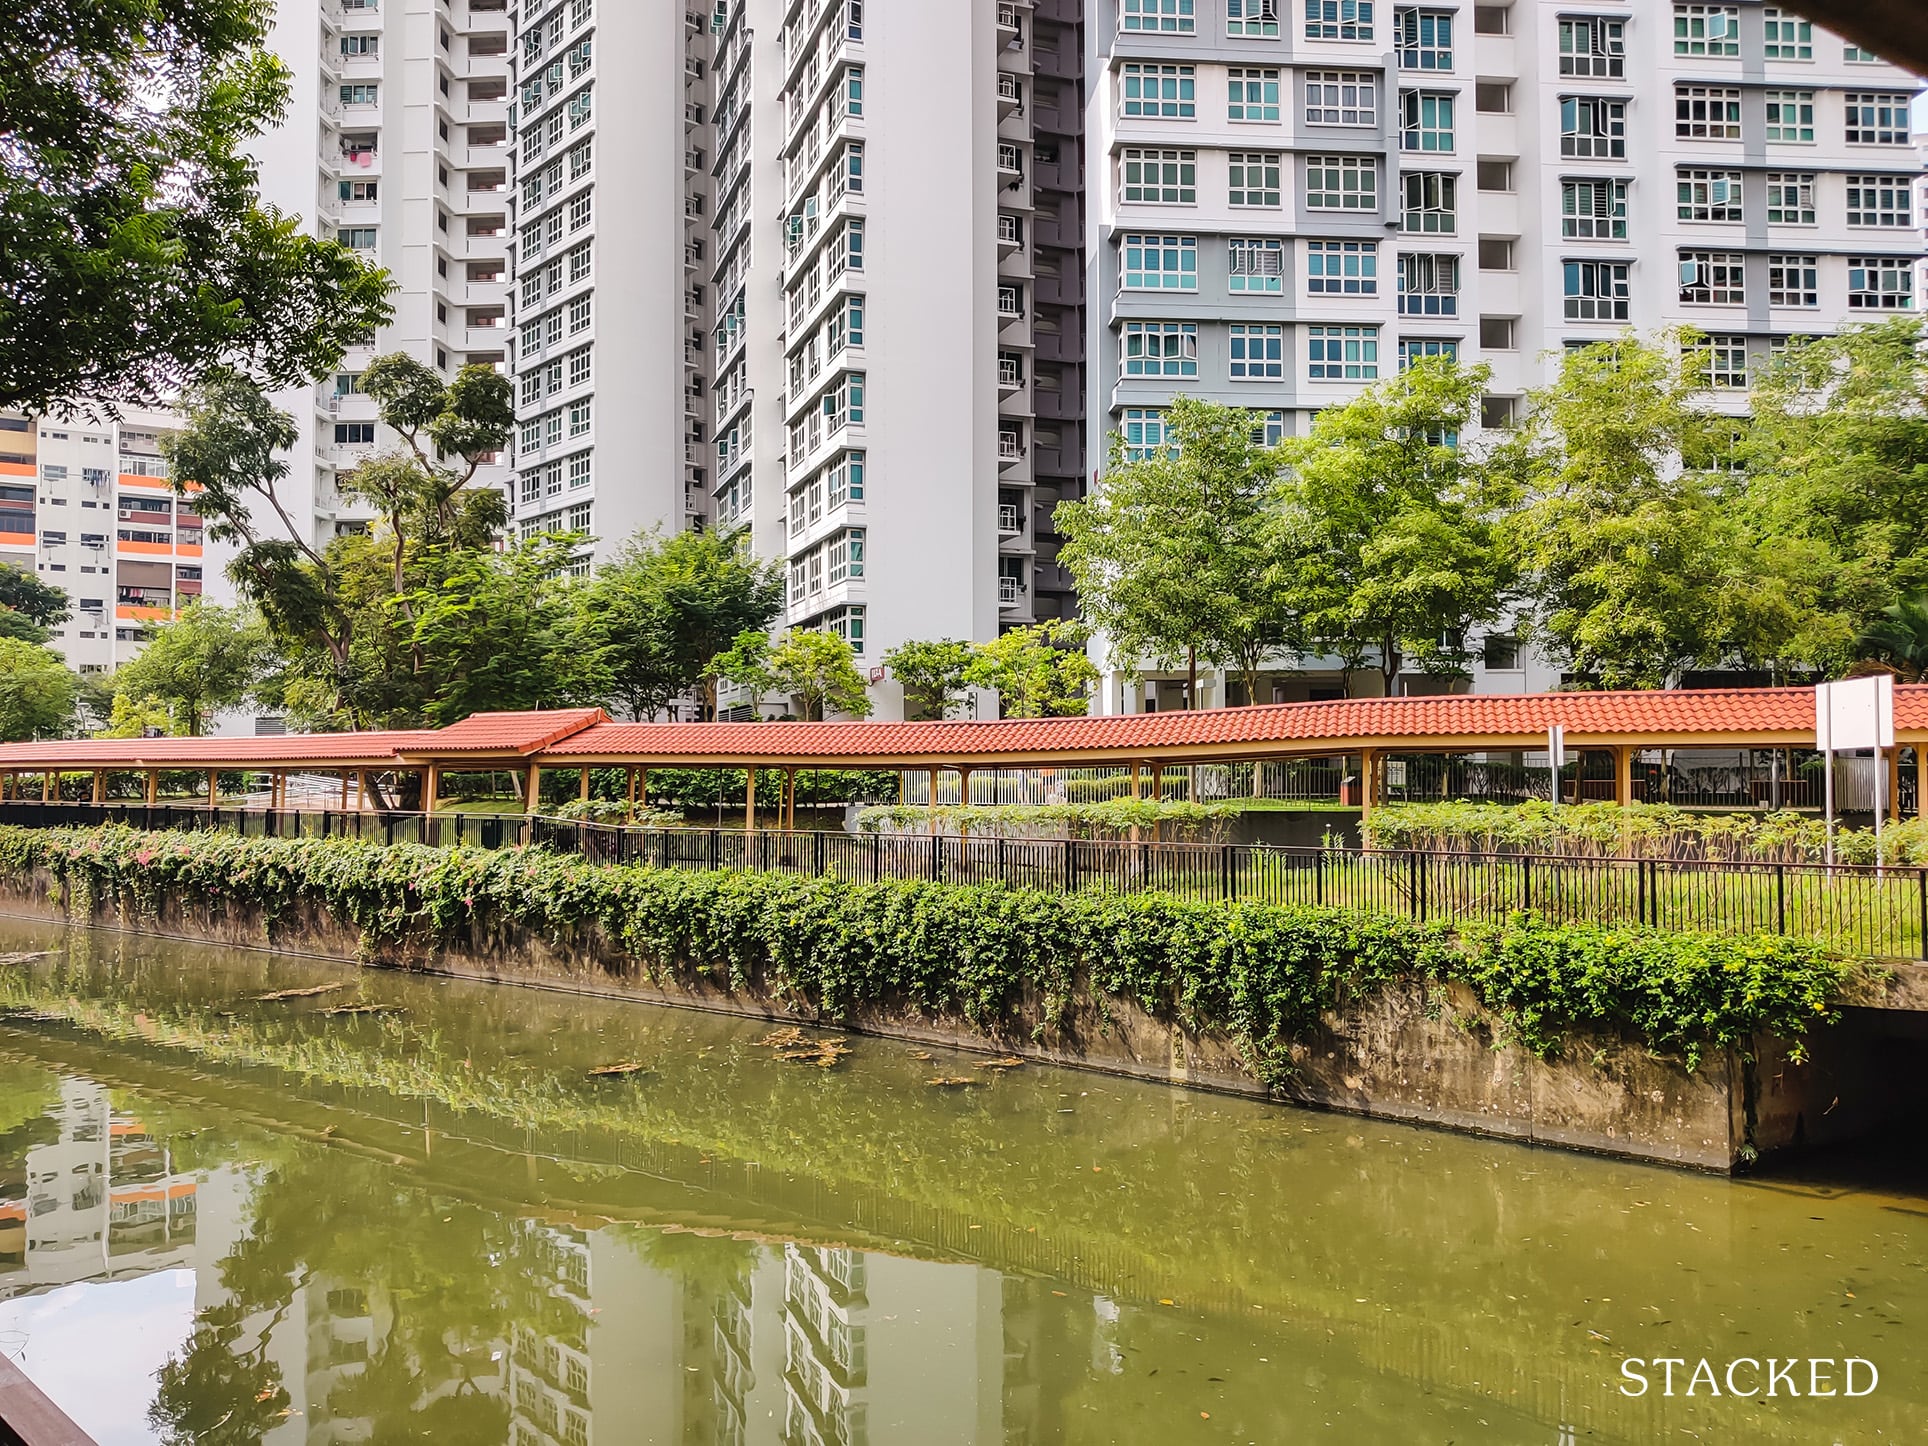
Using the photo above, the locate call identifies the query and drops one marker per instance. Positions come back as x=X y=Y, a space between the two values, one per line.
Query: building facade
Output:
x=1291 y=199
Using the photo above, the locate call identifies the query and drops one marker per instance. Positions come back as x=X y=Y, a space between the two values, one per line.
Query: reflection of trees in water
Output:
x=219 y=1388
x=714 y=1275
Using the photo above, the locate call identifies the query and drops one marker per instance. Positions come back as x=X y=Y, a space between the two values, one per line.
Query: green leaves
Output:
x=1039 y=671
x=1265 y=975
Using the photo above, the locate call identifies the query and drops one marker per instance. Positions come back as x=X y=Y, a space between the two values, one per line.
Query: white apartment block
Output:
x=85 y=505
x=396 y=144
x=1292 y=198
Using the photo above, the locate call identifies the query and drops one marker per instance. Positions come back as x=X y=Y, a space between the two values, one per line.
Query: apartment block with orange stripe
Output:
x=86 y=506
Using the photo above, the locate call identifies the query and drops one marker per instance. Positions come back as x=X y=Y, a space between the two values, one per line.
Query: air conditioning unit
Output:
x=126 y=514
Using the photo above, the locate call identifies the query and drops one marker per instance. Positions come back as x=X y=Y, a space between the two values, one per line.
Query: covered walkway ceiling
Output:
x=578 y=738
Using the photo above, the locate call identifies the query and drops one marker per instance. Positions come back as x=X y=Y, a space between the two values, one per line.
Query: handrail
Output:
x=29 y=1418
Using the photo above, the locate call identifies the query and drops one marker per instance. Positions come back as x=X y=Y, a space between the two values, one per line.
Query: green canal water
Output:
x=402 y=1210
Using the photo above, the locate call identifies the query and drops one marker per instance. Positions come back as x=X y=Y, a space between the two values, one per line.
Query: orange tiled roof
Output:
x=1710 y=717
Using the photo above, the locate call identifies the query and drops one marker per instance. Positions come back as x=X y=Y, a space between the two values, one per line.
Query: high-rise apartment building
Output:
x=397 y=144
x=1294 y=198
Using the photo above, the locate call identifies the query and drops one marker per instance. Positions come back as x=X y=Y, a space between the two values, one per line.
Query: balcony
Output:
x=1010 y=446
x=1010 y=234
x=1010 y=95
x=1010 y=592
x=1010 y=519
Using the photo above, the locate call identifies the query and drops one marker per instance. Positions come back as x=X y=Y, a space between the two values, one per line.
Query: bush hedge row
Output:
x=1263 y=974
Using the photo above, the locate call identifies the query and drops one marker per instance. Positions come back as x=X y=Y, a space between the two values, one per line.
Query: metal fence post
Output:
x=1225 y=870
x=1780 y=898
x=817 y=847
x=1070 y=866
x=1526 y=885
x=1921 y=889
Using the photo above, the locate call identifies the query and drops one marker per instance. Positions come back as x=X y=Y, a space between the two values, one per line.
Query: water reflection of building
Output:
x=825 y=1356
x=549 y=1365
x=98 y=1201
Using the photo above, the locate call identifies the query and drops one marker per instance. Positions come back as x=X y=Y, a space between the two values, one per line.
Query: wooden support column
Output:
x=583 y=792
x=46 y=788
x=1623 y=775
x=632 y=794
x=431 y=785
x=214 y=788
x=344 y=790
x=1368 y=782
x=153 y=785
x=790 y=800
x=532 y=795
x=749 y=800
x=933 y=800
x=1894 y=784
x=100 y=786
x=1921 y=780
x=642 y=787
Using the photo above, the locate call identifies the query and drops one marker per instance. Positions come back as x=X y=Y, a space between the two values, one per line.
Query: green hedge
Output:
x=1168 y=819
x=1263 y=974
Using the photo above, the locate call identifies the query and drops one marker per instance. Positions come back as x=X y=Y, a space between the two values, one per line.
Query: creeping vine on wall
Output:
x=1265 y=975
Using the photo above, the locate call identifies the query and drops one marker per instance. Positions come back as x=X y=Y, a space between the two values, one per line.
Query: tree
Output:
x=29 y=608
x=1174 y=553
x=37 y=692
x=931 y=675
x=344 y=615
x=135 y=716
x=1633 y=565
x=1899 y=638
x=1387 y=530
x=1039 y=671
x=138 y=254
x=495 y=632
x=816 y=670
x=200 y=665
x=664 y=608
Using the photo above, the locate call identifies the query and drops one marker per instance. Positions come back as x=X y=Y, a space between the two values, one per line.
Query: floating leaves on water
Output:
x=621 y=1067
x=1009 y=1061
x=920 y=1054
x=954 y=1081
x=309 y=993
x=792 y=1044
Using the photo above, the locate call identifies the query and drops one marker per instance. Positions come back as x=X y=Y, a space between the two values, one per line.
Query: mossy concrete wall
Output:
x=1427 y=1054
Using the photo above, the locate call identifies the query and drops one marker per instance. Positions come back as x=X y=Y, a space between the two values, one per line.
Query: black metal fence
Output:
x=1877 y=912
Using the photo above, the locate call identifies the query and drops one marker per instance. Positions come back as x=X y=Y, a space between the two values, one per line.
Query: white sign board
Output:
x=1556 y=745
x=1855 y=713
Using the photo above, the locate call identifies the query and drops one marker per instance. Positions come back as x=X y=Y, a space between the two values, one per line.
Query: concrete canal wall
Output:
x=1426 y=1054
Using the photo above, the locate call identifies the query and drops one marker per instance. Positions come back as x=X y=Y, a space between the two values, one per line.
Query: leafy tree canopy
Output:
x=202 y=664
x=817 y=671
x=37 y=692
x=138 y=254
x=1039 y=671
x=931 y=675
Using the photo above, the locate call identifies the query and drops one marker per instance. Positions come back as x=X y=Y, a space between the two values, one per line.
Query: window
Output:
x=1722 y=363
x=1493 y=175
x=1592 y=128
x=1496 y=333
x=1258 y=352
x=1877 y=120
x=846 y=555
x=1424 y=39
x=1254 y=95
x=1164 y=17
x=1593 y=210
x=1713 y=278
x=1709 y=195
x=1161 y=178
x=1431 y=205
x=1593 y=48
x=579 y=209
x=1790 y=198
x=349 y=434
x=1707 y=113
x=846 y=478
x=578 y=368
x=843 y=404
x=850 y=174
x=579 y=417
x=846 y=326
x=358 y=95
x=1254 y=178
x=1342 y=183
x=361 y=45
x=1855 y=55
x=1270 y=431
x=1492 y=20
x=579 y=313
x=1428 y=285
x=1425 y=121
x=1411 y=349
x=1169 y=92
x=1256 y=18
x=1160 y=349
x=1496 y=253
x=1160 y=263
x=1880 y=200
x=1499 y=653
x=1010 y=301
x=1787 y=36
x=1341 y=98
x=1595 y=290
x=1144 y=432
x=579 y=161
x=579 y=471
x=1256 y=265
x=1338 y=19
x=1790 y=115
x=1342 y=268
x=357 y=238
x=1713 y=30
x=1342 y=353
x=1881 y=283
x=359 y=190
x=1793 y=281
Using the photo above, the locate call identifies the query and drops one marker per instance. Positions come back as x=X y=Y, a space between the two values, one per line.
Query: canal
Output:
x=247 y=1198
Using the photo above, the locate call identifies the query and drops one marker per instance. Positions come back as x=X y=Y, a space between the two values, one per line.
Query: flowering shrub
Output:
x=1266 y=975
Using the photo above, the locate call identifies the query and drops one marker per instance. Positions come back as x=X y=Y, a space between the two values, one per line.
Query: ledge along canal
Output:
x=247 y=1198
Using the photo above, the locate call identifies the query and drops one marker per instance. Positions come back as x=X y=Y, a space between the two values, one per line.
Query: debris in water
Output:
x=954 y=1081
x=1010 y=1061
x=786 y=1038
x=621 y=1067
x=362 y=1009
x=310 y=992
x=23 y=958
x=824 y=1053
x=920 y=1054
